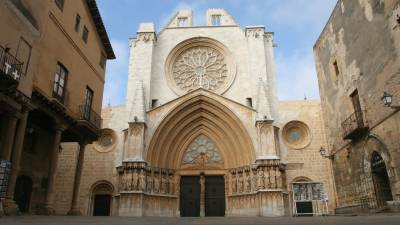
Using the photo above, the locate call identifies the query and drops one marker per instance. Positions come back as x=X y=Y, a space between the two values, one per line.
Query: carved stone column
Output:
x=74 y=211
x=10 y=207
x=46 y=208
x=9 y=138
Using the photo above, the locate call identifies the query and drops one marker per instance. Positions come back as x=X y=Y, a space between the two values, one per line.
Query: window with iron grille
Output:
x=77 y=22
x=85 y=34
x=60 y=4
x=216 y=20
x=88 y=103
x=60 y=82
x=103 y=60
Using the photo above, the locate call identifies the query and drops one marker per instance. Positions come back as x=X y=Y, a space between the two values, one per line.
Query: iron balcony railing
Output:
x=354 y=126
x=9 y=65
x=88 y=114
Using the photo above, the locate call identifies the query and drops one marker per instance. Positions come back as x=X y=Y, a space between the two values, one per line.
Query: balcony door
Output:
x=88 y=103
x=355 y=99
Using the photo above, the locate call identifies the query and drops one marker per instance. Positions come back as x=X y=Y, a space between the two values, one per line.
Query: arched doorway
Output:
x=380 y=179
x=22 y=194
x=101 y=199
x=201 y=138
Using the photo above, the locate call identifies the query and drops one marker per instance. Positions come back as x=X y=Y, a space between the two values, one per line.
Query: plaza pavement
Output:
x=380 y=219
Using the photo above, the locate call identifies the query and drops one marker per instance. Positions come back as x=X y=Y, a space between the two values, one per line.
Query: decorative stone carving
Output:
x=233 y=183
x=200 y=63
x=200 y=67
x=202 y=151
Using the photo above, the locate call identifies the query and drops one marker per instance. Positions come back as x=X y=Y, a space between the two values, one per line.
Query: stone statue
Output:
x=261 y=181
x=171 y=184
x=272 y=178
x=254 y=181
x=124 y=182
x=278 y=179
x=233 y=184
x=163 y=188
x=134 y=180
x=149 y=183
x=177 y=185
x=156 y=183
x=267 y=176
x=142 y=180
x=248 y=183
x=240 y=184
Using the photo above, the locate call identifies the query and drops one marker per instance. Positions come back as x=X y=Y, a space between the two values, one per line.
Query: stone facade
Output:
x=201 y=103
x=357 y=60
x=48 y=68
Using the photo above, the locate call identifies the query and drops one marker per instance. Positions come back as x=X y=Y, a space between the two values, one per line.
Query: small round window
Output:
x=296 y=134
x=106 y=141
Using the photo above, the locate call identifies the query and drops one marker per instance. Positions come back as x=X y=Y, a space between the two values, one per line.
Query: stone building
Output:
x=52 y=67
x=357 y=60
x=202 y=132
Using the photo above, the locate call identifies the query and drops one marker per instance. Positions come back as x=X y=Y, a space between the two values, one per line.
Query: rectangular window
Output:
x=23 y=55
x=85 y=34
x=249 y=102
x=88 y=103
x=77 y=22
x=216 y=20
x=60 y=82
x=60 y=4
x=336 y=68
x=103 y=61
x=355 y=100
x=154 y=103
x=182 y=21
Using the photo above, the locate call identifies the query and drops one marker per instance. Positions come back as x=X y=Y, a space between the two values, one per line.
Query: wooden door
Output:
x=215 y=196
x=190 y=196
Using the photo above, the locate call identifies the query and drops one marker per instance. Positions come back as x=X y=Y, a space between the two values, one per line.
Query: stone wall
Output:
x=358 y=50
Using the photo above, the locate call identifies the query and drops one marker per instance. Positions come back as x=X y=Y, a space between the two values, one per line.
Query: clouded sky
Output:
x=296 y=23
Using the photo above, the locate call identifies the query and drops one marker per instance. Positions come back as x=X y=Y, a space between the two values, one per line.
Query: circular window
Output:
x=200 y=63
x=106 y=141
x=296 y=134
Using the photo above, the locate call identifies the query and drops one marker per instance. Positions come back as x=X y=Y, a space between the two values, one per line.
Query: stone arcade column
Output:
x=74 y=211
x=9 y=138
x=10 y=207
x=46 y=208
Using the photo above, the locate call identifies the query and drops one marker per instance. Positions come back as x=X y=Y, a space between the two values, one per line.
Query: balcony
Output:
x=354 y=126
x=10 y=70
x=89 y=115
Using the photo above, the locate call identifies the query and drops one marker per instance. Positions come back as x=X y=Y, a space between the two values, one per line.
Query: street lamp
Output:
x=322 y=152
x=387 y=100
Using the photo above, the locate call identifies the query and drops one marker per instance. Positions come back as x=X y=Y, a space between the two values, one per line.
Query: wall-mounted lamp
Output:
x=387 y=100
x=322 y=152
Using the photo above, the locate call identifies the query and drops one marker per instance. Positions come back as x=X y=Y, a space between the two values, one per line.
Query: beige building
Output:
x=52 y=67
x=202 y=132
x=357 y=59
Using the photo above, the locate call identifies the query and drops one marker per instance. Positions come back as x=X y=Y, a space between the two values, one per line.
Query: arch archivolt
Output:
x=200 y=115
x=372 y=144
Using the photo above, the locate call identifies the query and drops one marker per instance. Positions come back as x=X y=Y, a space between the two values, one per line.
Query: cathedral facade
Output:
x=202 y=132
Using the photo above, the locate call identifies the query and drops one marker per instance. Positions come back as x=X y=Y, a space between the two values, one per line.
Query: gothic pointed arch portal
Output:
x=200 y=122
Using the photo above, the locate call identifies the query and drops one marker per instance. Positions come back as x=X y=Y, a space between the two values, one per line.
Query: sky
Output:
x=296 y=24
